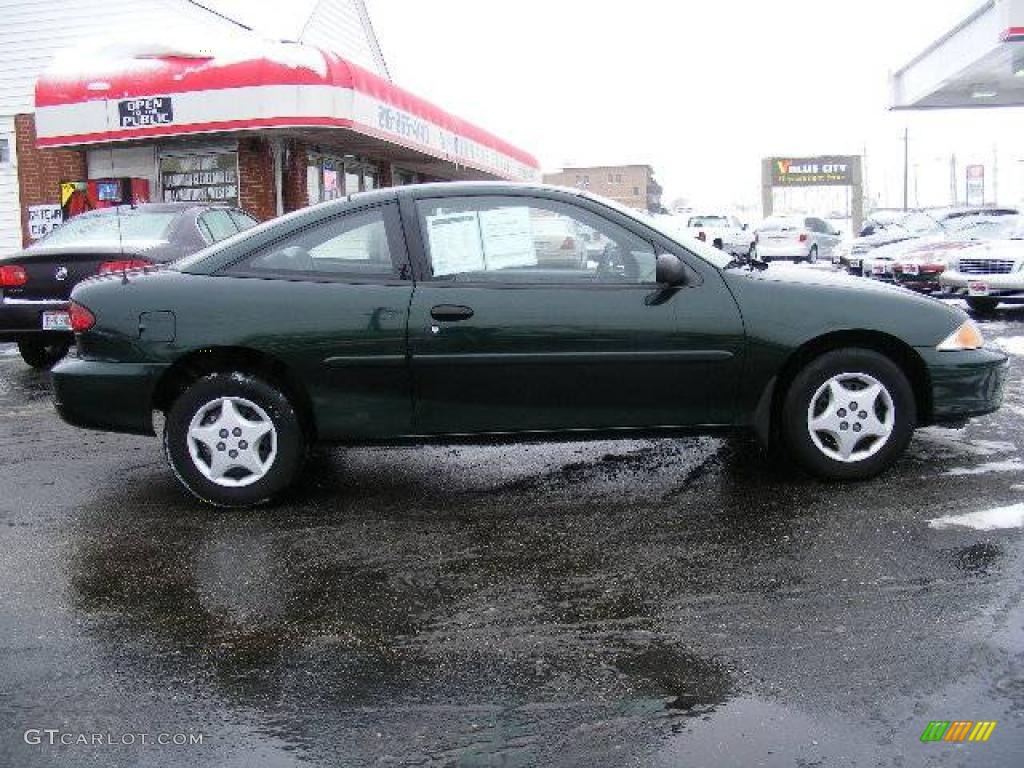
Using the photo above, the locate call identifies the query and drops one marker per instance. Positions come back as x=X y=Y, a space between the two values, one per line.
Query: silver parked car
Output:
x=800 y=238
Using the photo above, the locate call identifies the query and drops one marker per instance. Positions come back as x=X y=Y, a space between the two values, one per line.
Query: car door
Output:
x=333 y=300
x=506 y=336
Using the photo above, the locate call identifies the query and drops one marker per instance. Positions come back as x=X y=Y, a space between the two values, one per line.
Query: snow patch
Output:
x=987 y=520
x=1012 y=345
x=940 y=442
x=1010 y=465
x=139 y=50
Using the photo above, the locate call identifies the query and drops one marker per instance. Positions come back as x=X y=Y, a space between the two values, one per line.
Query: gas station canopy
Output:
x=979 y=63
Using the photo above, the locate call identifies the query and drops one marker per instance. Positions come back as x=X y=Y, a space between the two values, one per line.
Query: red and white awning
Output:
x=130 y=96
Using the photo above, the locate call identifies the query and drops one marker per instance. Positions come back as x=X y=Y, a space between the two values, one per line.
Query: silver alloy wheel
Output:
x=851 y=417
x=232 y=441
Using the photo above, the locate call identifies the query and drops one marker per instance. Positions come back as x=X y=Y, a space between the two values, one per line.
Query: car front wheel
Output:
x=43 y=355
x=848 y=415
x=234 y=440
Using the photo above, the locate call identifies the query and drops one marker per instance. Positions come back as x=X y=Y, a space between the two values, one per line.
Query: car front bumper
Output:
x=116 y=397
x=965 y=383
x=1009 y=284
x=923 y=282
x=23 y=318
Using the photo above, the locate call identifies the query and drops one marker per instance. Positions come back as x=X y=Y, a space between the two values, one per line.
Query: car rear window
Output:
x=777 y=224
x=83 y=230
x=708 y=221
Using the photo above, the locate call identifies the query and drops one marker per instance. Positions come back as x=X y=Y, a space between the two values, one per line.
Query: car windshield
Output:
x=917 y=224
x=706 y=252
x=104 y=228
x=708 y=221
x=985 y=228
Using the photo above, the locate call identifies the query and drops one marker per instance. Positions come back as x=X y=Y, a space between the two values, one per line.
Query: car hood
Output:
x=811 y=303
x=880 y=238
x=992 y=249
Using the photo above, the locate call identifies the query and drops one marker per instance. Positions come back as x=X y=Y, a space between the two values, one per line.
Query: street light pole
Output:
x=906 y=167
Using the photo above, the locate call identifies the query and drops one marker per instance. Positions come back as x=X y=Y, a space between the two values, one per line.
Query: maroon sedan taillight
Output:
x=12 y=276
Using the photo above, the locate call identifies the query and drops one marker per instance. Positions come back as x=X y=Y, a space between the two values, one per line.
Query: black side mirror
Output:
x=669 y=270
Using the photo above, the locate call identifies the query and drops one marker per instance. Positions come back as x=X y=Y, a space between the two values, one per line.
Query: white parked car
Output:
x=800 y=238
x=987 y=274
x=724 y=232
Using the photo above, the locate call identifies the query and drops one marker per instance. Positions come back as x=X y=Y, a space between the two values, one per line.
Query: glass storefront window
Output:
x=200 y=178
x=330 y=177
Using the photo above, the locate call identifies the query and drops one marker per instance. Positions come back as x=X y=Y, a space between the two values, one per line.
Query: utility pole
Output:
x=995 y=174
x=906 y=167
x=953 y=201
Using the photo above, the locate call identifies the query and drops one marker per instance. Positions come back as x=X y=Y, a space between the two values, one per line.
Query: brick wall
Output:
x=626 y=184
x=41 y=171
x=256 y=178
x=296 y=194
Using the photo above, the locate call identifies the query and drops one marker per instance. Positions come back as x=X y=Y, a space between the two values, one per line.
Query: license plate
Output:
x=855 y=263
x=878 y=269
x=974 y=288
x=56 y=321
x=911 y=269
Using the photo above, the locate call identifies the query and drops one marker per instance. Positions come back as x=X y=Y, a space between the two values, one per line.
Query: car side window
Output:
x=216 y=225
x=356 y=245
x=530 y=240
x=242 y=219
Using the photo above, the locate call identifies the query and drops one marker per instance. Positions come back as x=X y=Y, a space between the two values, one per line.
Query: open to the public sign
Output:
x=56 y=321
x=145 y=112
x=976 y=288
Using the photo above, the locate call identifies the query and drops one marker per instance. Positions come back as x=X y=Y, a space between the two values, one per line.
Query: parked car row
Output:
x=972 y=253
x=36 y=283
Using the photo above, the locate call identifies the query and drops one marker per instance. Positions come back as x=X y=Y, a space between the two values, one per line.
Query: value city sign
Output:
x=823 y=171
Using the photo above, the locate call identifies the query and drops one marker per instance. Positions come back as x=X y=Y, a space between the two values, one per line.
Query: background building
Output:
x=182 y=100
x=631 y=185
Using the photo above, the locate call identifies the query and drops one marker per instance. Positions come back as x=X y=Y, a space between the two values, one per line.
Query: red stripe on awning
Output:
x=170 y=75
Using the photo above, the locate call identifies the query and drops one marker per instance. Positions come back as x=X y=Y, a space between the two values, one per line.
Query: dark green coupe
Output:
x=458 y=312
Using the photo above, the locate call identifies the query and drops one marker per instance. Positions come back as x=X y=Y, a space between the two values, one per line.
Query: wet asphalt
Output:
x=673 y=602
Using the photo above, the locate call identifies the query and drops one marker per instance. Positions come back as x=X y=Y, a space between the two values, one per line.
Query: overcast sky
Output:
x=700 y=90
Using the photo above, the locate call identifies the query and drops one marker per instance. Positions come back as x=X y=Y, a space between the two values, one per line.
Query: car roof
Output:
x=988 y=210
x=128 y=210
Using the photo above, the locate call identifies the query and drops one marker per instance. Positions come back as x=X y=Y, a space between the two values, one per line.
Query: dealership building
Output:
x=204 y=108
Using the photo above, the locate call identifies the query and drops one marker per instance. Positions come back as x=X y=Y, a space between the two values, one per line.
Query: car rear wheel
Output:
x=43 y=355
x=983 y=306
x=234 y=440
x=848 y=415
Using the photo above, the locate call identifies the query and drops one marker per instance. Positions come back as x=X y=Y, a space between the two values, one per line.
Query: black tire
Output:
x=795 y=426
x=982 y=306
x=43 y=355
x=288 y=439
